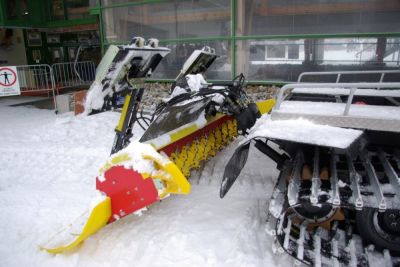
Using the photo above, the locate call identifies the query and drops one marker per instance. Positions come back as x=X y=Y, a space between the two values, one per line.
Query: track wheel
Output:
x=380 y=228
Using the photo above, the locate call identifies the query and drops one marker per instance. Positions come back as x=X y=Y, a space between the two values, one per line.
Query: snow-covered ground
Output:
x=47 y=179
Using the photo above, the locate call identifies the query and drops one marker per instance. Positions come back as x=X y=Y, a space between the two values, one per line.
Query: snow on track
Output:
x=47 y=179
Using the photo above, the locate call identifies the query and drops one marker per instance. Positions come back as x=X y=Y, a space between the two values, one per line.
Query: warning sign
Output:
x=9 y=84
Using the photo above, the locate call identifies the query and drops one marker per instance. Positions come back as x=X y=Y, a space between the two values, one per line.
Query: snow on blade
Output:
x=304 y=131
x=133 y=157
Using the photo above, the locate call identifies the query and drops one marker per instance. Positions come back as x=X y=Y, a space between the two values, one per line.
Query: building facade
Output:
x=270 y=41
x=46 y=31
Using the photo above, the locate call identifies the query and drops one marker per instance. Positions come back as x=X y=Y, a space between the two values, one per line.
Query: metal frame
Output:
x=43 y=78
x=340 y=73
x=37 y=79
x=353 y=86
x=73 y=74
x=345 y=119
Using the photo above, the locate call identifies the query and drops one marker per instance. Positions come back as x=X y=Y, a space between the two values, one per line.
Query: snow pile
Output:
x=196 y=82
x=132 y=158
x=303 y=131
x=94 y=97
x=48 y=168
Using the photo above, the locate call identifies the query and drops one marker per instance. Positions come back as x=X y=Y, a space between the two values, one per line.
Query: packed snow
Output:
x=48 y=168
x=303 y=131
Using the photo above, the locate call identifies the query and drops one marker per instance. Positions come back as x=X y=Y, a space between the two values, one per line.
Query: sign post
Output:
x=9 y=84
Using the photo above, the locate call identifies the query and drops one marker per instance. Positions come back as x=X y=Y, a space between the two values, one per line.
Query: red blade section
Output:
x=128 y=191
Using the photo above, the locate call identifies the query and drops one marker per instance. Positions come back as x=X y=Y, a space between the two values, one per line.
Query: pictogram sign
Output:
x=9 y=84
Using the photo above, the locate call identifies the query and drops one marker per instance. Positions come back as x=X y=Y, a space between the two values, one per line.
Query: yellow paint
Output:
x=98 y=219
x=116 y=160
x=266 y=105
x=183 y=133
x=123 y=114
x=120 y=158
x=171 y=175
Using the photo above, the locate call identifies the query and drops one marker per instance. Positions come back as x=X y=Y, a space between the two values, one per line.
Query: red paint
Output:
x=128 y=191
x=13 y=73
x=360 y=103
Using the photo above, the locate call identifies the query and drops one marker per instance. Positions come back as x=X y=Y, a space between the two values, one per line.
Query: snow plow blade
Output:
x=98 y=218
x=127 y=191
x=131 y=190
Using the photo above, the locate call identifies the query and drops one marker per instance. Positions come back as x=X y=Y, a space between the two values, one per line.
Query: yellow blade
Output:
x=98 y=218
x=177 y=182
x=266 y=105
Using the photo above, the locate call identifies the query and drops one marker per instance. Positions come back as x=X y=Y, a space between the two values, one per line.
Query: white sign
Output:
x=9 y=84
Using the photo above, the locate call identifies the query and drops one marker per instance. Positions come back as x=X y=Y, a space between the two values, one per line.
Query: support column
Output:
x=244 y=18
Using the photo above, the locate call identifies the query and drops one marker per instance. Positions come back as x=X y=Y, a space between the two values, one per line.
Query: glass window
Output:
x=170 y=67
x=280 y=17
x=275 y=51
x=77 y=9
x=293 y=51
x=180 y=19
x=286 y=59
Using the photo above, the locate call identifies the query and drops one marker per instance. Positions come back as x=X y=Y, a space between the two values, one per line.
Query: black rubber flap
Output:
x=174 y=117
x=234 y=167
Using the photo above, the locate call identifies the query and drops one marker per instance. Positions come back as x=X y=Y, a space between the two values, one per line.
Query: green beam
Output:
x=183 y=40
x=101 y=28
x=134 y=4
x=249 y=82
x=66 y=23
x=318 y=36
x=267 y=37
x=2 y=12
